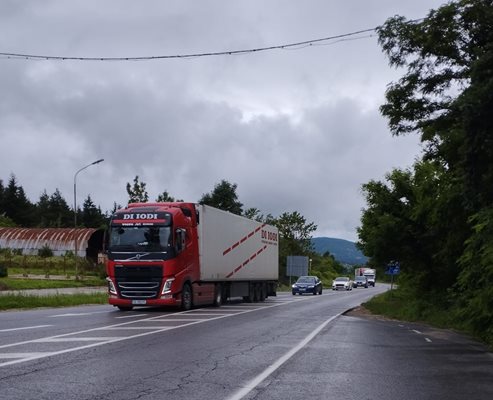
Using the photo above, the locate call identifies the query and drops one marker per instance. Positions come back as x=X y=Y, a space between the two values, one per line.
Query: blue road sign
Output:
x=393 y=269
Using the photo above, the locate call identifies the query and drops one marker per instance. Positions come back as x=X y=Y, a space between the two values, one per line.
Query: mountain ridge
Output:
x=343 y=250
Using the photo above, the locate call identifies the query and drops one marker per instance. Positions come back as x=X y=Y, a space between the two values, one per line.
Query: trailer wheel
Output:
x=262 y=293
x=218 y=296
x=251 y=294
x=186 y=297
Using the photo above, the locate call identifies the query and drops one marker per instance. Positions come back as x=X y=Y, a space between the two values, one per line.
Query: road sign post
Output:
x=393 y=268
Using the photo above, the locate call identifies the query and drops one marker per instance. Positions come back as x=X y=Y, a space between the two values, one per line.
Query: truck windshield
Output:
x=149 y=238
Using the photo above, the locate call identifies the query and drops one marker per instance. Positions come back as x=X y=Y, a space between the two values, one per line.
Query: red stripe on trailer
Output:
x=246 y=262
x=243 y=239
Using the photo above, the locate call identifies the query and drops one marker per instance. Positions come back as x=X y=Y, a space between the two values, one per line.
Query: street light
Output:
x=75 y=210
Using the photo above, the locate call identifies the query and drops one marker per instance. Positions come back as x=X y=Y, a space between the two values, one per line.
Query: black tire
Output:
x=263 y=293
x=218 y=296
x=251 y=294
x=256 y=293
x=186 y=297
x=125 y=308
x=320 y=291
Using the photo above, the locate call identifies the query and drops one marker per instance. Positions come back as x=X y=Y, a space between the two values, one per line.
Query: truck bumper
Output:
x=161 y=302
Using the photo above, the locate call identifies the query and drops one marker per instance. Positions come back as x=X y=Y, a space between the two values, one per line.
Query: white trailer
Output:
x=237 y=251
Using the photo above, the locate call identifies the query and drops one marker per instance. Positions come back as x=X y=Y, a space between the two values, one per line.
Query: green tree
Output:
x=91 y=216
x=436 y=216
x=2 y=190
x=165 y=197
x=255 y=214
x=115 y=208
x=223 y=197
x=6 y=222
x=295 y=235
x=294 y=228
x=137 y=192
x=410 y=218
x=43 y=210
x=16 y=205
x=59 y=214
x=474 y=292
x=447 y=92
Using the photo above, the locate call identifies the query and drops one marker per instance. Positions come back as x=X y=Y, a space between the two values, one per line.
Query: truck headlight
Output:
x=167 y=285
x=111 y=286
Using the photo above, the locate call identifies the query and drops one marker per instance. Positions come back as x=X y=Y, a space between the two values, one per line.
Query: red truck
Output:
x=184 y=255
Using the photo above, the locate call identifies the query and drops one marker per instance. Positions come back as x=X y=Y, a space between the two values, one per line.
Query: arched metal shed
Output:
x=60 y=240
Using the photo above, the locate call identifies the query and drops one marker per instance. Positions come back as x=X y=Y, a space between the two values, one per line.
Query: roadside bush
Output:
x=3 y=271
x=45 y=252
x=6 y=252
x=69 y=254
x=101 y=271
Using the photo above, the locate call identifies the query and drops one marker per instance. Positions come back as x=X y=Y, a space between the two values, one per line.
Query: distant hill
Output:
x=343 y=251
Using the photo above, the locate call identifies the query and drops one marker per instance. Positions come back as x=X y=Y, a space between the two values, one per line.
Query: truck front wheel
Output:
x=218 y=296
x=186 y=297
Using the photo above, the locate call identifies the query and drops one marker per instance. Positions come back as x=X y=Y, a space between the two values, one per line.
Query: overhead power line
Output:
x=291 y=46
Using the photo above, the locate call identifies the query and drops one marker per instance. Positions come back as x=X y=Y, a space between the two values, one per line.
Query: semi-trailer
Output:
x=185 y=254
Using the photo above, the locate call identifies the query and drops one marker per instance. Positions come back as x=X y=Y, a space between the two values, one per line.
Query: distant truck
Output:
x=368 y=272
x=184 y=254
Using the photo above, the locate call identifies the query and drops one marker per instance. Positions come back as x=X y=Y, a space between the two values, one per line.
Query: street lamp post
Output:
x=75 y=211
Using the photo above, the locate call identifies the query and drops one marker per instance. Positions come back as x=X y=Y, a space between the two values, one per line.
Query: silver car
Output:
x=342 y=282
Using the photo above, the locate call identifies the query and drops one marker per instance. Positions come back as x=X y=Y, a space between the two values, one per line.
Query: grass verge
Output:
x=8 y=302
x=26 y=283
x=397 y=305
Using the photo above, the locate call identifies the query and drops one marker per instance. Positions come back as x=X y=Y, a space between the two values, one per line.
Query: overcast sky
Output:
x=296 y=129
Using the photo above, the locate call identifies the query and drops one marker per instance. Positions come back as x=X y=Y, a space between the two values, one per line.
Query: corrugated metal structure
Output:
x=59 y=240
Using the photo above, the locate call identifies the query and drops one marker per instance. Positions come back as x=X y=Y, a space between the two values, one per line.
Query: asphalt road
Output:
x=288 y=347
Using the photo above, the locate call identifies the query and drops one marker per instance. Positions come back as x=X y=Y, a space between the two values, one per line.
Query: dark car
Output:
x=307 y=284
x=360 y=281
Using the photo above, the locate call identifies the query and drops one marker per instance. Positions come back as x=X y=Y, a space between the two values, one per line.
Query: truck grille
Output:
x=138 y=281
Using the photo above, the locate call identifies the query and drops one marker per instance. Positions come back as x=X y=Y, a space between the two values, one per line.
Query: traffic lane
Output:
x=24 y=325
x=198 y=361
x=17 y=326
x=366 y=358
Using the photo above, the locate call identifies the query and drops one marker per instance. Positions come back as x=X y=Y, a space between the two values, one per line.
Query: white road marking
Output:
x=23 y=328
x=428 y=340
x=82 y=314
x=251 y=385
x=207 y=314
x=183 y=319
x=131 y=316
x=109 y=340
x=418 y=332
x=136 y=328
x=21 y=355
x=77 y=339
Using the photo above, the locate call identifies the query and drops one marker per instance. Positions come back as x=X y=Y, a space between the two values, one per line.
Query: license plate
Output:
x=139 y=302
x=302 y=290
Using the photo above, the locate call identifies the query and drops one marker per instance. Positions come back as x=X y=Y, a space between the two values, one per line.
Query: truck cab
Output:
x=152 y=255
